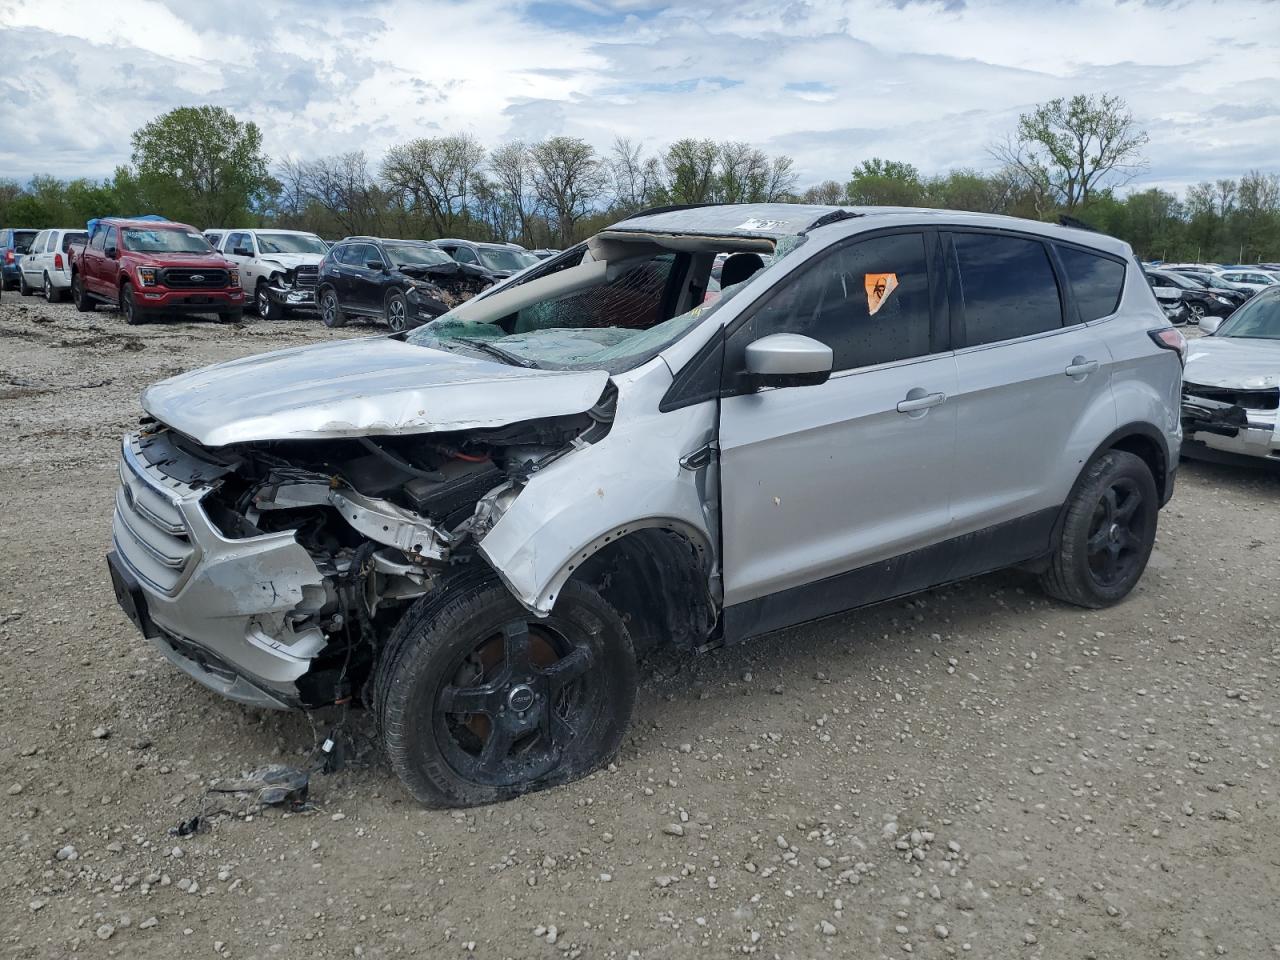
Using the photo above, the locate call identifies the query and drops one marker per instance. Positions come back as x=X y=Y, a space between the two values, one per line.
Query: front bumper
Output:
x=188 y=301
x=296 y=297
x=233 y=614
x=1230 y=428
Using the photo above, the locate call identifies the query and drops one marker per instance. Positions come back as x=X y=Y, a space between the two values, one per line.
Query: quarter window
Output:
x=1007 y=287
x=868 y=301
x=464 y=255
x=1095 y=281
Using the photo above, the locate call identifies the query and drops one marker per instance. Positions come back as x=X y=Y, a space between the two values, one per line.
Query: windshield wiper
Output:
x=486 y=346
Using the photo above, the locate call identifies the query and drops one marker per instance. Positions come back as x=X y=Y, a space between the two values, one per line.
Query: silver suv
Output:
x=476 y=527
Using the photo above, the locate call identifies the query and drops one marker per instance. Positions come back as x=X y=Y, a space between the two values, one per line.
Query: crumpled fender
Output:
x=630 y=480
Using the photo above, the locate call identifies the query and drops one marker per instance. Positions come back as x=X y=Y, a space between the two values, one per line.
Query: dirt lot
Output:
x=975 y=772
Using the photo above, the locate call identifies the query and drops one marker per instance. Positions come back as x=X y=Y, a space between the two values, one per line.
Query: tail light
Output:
x=57 y=261
x=1168 y=338
x=8 y=256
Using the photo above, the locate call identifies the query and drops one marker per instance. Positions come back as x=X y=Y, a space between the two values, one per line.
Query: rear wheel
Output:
x=331 y=314
x=1108 y=533
x=396 y=311
x=83 y=302
x=479 y=701
x=132 y=315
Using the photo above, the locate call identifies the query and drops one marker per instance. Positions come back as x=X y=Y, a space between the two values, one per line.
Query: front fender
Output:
x=630 y=480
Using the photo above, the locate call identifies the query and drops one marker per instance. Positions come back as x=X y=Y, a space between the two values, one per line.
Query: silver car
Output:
x=1231 y=394
x=475 y=528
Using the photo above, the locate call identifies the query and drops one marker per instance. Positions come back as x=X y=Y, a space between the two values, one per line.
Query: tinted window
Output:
x=868 y=301
x=346 y=254
x=237 y=241
x=109 y=241
x=98 y=236
x=69 y=238
x=1007 y=287
x=366 y=252
x=464 y=255
x=1096 y=282
x=22 y=240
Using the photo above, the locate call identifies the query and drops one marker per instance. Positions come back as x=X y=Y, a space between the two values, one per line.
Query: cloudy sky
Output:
x=829 y=82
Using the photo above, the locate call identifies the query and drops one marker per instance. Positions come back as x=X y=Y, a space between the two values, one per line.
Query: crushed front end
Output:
x=271 y=572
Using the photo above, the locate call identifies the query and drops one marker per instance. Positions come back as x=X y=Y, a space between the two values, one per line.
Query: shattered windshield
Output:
x=613 y=326
x=498 y=259
x=415 y=255
x=290 y=243
x=1259 y=319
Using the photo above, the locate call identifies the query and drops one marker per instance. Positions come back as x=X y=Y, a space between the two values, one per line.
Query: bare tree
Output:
x=569 y=179
x=827 y=193
x=343 y=187
x=781 y=182
x=633 y=178
x=434 y=176
x=1068 y=149
x=509 y=165
x=742 y=173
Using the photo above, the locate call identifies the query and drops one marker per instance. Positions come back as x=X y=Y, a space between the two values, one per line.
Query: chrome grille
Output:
x=149 y=530
x=197 y=278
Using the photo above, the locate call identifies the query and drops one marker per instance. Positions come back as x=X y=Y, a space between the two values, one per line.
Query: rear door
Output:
x=1034 y=395
x=31 y=261
x=819 y=484
x=366 y=283
x=92 y=263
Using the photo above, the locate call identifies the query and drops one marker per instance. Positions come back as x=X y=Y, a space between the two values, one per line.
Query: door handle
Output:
x=912 y=404
x=1079 y=367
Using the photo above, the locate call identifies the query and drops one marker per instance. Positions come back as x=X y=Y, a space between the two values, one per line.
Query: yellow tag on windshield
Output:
x=879 y=287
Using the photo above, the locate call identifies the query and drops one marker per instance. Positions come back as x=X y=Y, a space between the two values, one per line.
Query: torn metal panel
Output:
x=384 y=522
x=372 y=387
x=630 y=480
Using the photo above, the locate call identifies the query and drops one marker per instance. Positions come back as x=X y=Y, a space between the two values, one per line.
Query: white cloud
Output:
x=828 y=81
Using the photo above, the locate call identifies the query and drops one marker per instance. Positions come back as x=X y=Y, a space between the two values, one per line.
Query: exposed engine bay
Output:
x=384 y=519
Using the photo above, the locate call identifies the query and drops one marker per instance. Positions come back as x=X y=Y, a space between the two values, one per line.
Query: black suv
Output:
x=404 y=282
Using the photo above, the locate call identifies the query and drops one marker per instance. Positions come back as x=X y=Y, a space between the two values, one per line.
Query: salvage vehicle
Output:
x=497 y=260
x=404 y=282
x=1231 y=390
x=150 y=269
x=1253 y=278
x=475 y=527
x=46 y=266
x=279 y=268
x=13 y=245
x=1201 y=301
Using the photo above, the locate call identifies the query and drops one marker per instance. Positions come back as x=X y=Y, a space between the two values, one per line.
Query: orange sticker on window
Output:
x=879 y=286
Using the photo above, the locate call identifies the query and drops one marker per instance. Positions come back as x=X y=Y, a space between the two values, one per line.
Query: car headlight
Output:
x=148 y=276
x=233 y=278
x=1223 y=300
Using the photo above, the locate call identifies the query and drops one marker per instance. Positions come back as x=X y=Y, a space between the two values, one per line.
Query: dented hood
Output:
x=370 y=387
x=1245 y=364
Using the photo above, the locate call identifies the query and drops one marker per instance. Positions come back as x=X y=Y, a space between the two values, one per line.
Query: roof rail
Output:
x=1066 y=220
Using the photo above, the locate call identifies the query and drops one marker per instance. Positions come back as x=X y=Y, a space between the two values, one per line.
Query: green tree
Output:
x=885 y=183
x=1070 y=148
x=200 y=165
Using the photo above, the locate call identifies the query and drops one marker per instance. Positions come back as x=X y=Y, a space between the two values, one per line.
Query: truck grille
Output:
x=188 y=278
x=305 y=276
x=1262 y=399
x=149 y=529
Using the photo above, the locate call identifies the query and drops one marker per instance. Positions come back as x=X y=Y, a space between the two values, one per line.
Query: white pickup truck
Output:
x=277 y=267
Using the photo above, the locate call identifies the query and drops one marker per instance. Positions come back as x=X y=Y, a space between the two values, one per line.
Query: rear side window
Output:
x=1007 y=286
x=69 y=238
x=22 y=240
x=98 y=237
x=1095 y=281
x=868 y=301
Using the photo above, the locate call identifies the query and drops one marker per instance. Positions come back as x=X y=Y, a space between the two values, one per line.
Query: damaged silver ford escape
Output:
x=474 y=528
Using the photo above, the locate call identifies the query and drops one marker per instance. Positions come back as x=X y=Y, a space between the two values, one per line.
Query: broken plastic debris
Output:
x=271 y=786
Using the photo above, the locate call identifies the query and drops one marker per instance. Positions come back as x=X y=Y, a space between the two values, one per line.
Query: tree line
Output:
x=1073 y=156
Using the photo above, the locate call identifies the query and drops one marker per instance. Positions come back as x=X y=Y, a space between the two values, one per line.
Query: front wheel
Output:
x=1108 y=533
x=397 y=312
x=479 y=701
x=331 y=314
x=268 y=309
x=129 y=307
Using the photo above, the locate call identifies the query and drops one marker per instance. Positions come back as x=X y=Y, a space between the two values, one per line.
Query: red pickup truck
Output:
x=151 y=268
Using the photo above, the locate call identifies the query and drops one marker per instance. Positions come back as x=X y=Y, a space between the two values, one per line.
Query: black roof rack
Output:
x=1066 y=220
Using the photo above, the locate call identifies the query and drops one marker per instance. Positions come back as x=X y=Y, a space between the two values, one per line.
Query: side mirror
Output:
x=374 y=264
x=112 y=253
x=242 y=252
x=1210 y=325
x=788 y=360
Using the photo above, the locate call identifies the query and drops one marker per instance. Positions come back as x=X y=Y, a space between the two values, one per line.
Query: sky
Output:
x=827 y=82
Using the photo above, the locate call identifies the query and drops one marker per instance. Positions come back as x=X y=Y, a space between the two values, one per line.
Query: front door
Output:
x=821 y=485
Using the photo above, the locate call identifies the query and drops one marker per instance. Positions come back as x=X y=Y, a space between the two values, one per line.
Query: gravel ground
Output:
x=976 y=771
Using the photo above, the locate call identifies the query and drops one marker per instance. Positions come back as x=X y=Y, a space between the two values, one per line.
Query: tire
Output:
x=51 y=293
x=1197 y=313
x=84 y=303
x=132 y=315
x=331 y=314
x=1107 y=534
x=232 y=316
x=462 y=646
x=267 y=308
x=396 y=312
x=23 y=289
